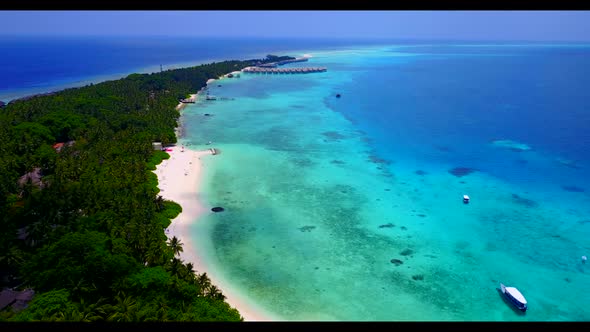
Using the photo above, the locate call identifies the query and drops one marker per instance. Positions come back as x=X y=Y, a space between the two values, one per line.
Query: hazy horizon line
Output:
x=339 y=38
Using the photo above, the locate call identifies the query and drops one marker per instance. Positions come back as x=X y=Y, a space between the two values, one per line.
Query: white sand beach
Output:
x=234 y=73
x=179 y=181
x=180 y=106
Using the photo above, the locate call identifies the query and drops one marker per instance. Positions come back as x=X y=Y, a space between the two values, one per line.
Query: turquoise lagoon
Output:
x=351 y=209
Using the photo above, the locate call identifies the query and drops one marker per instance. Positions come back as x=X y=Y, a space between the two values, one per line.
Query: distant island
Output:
x=83 y=224
x=274 y=60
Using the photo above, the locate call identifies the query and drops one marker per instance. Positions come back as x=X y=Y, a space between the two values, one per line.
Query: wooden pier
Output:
x=294 y=70
x=190 y=100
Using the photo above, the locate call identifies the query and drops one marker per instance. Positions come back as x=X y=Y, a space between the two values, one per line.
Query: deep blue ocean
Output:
x=454 y=99
x=351 y=208
x=32 y=64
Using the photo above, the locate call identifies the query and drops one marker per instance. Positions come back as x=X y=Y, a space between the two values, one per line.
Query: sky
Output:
x=453 y=25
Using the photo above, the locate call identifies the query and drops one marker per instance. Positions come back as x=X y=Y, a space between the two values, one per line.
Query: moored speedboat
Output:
x=514 y=296
x=465 y=199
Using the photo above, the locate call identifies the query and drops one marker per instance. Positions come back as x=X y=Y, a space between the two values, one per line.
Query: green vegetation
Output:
x=86 y=229
x=156 y=159
x=276 y=58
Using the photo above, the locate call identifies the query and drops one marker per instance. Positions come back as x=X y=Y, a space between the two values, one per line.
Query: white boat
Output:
x=465 y=199
x=514 y=296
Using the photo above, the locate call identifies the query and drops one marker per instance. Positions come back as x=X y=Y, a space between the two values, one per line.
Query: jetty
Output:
x=282 y=62
x=190 y=100
x=294 y=70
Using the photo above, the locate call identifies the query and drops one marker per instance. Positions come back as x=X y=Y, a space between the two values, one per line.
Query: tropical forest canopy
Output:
x=82 y=223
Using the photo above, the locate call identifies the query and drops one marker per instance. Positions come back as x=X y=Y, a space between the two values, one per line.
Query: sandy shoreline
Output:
x=179 y=179
x=211 y=80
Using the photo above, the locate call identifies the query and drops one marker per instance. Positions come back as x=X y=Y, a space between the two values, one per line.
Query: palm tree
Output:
x=12 y=257
x=190 y=272
x=215 y=293
x=159 y=200
x=175 y=245
x=36 y=233
x=203 y=282
x=176 y=268
x=83 y=313
x=154 y=256
x=162 y=313
x=80 y=288
x=125 y=309
x=71 y=315
x=93 y=312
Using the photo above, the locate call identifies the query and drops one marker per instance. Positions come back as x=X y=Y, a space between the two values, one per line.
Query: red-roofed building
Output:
x=58 y=146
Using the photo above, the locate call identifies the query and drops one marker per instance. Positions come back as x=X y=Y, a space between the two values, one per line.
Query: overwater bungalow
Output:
x=294 y=70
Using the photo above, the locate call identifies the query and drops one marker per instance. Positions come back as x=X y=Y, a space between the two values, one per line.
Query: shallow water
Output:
x=322 y=193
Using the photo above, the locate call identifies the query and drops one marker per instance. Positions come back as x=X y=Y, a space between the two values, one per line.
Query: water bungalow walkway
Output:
x=294 y=70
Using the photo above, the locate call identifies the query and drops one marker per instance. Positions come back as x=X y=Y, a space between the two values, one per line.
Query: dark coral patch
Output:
x=421 y=215
x=461 y=171
x=337 y=162
x=333 y=135
x=418 y=277
x=406 y=252
x=523 y=201
x=573 y=189
x=396 y=261
x=303 y=162
x=389 y=225
x=377 y=160
x=516 y=149
x=421 y=172
x=306 y=228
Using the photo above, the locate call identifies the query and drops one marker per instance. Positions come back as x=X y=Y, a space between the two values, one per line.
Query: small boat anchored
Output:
x=465 y=199
x=514 y=296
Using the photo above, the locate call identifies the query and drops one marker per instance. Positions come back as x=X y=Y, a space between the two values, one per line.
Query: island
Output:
x=84 y=232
